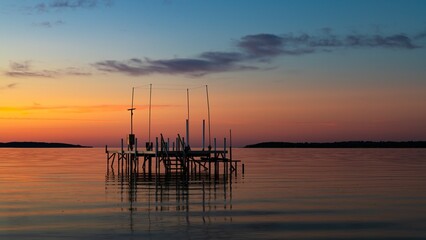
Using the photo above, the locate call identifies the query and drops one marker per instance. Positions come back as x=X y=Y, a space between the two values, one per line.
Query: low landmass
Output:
x=39 y=145
x=348 y=144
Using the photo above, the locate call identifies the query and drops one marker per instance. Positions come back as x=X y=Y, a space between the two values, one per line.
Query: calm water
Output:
x=284 y=194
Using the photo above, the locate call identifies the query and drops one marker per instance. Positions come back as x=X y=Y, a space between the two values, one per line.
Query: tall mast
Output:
x=187 y=120
x=149 y=127
x=131 y=111
x=187 y=100
x=208 y=112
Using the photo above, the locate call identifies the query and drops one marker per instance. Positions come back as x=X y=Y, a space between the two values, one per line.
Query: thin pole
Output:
x=208 y=115
x=187 y=100
x=187 y=132
x=187 y=120
x=131 y=111
x=230 y=144
x=150 y=101
x=204 y=132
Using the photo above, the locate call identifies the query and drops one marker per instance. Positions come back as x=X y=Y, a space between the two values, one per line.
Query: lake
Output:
x=283 y=194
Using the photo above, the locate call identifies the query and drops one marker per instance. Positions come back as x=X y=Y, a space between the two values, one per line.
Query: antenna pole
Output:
x=149 y=127
x=187 y=100
x=208 y=115
x=131 y=140
x=187 y=120
x=131 y=111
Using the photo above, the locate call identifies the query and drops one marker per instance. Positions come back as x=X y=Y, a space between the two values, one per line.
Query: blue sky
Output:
x=306 y=63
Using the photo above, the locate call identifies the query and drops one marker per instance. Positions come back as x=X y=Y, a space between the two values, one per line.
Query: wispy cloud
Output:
x=50 y=24
x=24 y=69
x=8 y=86
x=69 y=4
x=420 y=35
x=75 y=108
x=256 y=48
x=208 y=62
x=269 y=45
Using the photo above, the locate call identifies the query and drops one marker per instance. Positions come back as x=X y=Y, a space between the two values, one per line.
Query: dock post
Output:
x=157 y=164
x=177 y=145
x=122 y=155
x=216 y=162
x=149 y=166
x=187 y=132
x=204 y=133
x=225 y=161
x=230 y=152
x=215 y=153
x=106 y=151
x=243 y=167
x=136 y=155
x=224 y=147
x=122 y=145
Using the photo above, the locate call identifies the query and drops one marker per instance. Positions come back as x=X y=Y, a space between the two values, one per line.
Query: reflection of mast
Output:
x=131 y=141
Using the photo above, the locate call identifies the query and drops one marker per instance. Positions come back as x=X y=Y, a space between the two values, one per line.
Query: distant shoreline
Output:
x=347 y=144
x=40 y=145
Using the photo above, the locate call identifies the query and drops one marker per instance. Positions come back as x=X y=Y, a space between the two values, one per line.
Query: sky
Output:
x=296 y=71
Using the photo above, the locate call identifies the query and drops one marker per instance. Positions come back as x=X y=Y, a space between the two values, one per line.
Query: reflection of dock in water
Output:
x=148 y=201
x=168 y=195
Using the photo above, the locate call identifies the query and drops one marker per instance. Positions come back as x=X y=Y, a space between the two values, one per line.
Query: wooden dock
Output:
x=179 y=162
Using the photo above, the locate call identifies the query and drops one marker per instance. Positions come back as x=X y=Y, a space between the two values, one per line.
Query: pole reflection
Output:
x=165 y=198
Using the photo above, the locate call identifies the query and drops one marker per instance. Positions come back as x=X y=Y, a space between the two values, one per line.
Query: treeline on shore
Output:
x=347 y=144
x=39 y=145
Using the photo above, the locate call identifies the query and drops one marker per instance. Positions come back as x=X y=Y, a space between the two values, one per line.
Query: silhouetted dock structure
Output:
x=179 y=162
x=162 y=161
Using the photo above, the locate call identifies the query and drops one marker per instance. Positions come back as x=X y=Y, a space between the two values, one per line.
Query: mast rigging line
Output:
x=208 y=115
x=171 y=89
x=150 y=87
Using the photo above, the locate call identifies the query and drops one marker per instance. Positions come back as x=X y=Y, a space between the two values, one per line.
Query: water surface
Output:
x=283 y=194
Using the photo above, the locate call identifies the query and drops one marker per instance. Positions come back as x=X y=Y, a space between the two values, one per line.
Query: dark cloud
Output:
x=223 y=57
x=255 y=48
x=399 y=41
x=70 y=4
x=261 y=45
x=208 y=62
x=24 y=69
x=252 y=49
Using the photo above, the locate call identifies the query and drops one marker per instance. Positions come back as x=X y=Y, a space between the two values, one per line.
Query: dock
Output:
x=162 y=161
x=181 y=162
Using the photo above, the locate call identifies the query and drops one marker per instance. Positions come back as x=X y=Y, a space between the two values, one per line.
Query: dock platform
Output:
x=180 y=162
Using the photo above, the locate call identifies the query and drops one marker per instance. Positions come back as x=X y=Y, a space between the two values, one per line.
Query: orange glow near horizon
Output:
x=79 y=112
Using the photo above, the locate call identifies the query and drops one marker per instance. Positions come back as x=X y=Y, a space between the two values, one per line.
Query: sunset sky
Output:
x=276 y=70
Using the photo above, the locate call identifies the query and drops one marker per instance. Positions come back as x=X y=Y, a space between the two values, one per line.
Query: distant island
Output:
x=348 y=144
x=39 y=145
